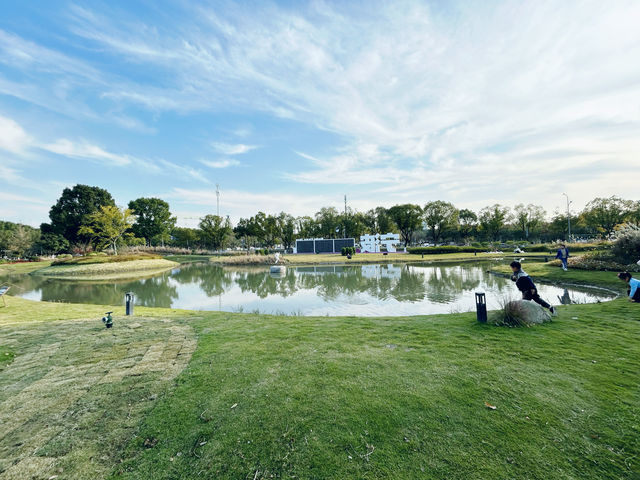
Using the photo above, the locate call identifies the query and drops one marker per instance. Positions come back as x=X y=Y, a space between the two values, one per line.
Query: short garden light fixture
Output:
x=481 y=307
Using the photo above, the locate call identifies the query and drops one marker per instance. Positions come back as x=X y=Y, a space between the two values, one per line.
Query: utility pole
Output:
x=217 y=199
x=568 y=216
x=344 y=227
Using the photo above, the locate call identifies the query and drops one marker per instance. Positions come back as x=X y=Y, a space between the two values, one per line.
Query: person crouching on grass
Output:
x=634 y=286
x=527 y=287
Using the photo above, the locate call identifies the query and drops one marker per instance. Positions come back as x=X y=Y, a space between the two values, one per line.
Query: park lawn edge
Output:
x=106 y=271
x=554 y=275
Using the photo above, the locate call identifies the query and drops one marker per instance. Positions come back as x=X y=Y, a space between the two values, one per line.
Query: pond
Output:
x=362 y=290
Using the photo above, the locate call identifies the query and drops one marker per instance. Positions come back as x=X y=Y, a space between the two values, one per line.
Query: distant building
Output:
x=387 y=242
x=323 y=245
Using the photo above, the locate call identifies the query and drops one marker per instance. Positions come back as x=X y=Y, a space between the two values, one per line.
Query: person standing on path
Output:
x=563 y=255
x=527 y=287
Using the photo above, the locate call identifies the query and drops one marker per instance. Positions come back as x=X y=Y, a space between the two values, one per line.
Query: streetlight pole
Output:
x=568 y=215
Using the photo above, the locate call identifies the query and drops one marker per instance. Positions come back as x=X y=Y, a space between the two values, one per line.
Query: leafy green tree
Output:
x=185 y=237
x=107 y=226
x=52 y=243
x=153 y=219
x=328 y=222
x=287 y=229
x=23 y=239
x=529 y=218
x=440 y=216
x=306 y=226
x=72 y=210
x=215 y=231
x=604 y=214
x=493 y=220
x=468 y=221
x=408 y=218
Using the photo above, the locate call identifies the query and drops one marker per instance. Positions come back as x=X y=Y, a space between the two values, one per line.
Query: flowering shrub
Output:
x=598 y=262
x=626 y=248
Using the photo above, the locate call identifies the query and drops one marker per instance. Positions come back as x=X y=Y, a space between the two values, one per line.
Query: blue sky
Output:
x=290 y=105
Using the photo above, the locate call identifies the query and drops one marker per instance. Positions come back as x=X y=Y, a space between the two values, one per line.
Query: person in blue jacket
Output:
x=563 y=255
x=527 y=287
x=634 y=286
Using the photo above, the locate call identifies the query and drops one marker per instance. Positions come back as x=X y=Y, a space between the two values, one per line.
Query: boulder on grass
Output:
x=521 y=313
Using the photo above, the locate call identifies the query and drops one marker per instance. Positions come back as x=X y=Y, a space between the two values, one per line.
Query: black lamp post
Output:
x=481 y=307
x=129 y=297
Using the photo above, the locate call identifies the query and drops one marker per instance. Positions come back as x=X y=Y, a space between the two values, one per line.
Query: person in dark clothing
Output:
x=527 y=287
x=634 y=286
x=563 y=256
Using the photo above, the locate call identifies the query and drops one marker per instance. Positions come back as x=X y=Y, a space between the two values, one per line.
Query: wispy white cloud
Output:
x=222 y=163
x=232 y=149
x=427 y=91
x=85 y=150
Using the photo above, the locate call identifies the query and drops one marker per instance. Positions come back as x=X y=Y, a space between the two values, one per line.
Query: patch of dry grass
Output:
x=75 y=392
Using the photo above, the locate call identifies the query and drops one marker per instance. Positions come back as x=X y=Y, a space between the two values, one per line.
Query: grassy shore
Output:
x=174 y=394
x=365 y=258
x=19 y=268
x=555 y=275
x=107 y=271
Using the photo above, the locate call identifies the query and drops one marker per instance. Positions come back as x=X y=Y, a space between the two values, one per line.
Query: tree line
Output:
x=86 y=218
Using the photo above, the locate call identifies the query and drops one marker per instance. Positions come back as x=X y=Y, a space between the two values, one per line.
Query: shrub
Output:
x=442 y=249
x=598 y=261
x=344 y=251
x=626 y=248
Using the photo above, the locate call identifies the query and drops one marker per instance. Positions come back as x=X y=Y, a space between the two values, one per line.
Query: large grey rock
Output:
x=517 y=313
x=531 y=312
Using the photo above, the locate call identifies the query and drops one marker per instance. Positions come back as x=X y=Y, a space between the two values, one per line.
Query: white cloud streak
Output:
x=232 y=149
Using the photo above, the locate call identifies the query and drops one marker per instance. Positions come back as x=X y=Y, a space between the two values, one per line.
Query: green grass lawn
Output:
x=106 y=271
x=18 y=268
x=310 y=259
x=302 y=397
x=554 y=274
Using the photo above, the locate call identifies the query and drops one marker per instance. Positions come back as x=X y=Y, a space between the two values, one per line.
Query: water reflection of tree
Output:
x=261 y=283
x=153 y=292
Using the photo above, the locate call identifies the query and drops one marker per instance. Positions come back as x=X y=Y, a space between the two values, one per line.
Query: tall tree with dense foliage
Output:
x=72 y=210
x=52 y=243
x=17 y=239
x=529 y=218
x=329 y=222
x=215 y=231
x=185 y=237
x=467 y=220
x=287 y=229
x=604 y=214
x=306 y=227
x=153 y=219
x=439 y=216
x=107 y=226
x=408 y=218
x=493 y=219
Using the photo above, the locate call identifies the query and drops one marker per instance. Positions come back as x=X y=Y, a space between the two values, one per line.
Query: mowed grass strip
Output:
x=550 y=273
x=75 y=393
x=351 y=398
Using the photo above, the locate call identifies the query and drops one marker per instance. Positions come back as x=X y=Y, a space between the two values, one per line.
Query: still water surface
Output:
x=364 y=290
